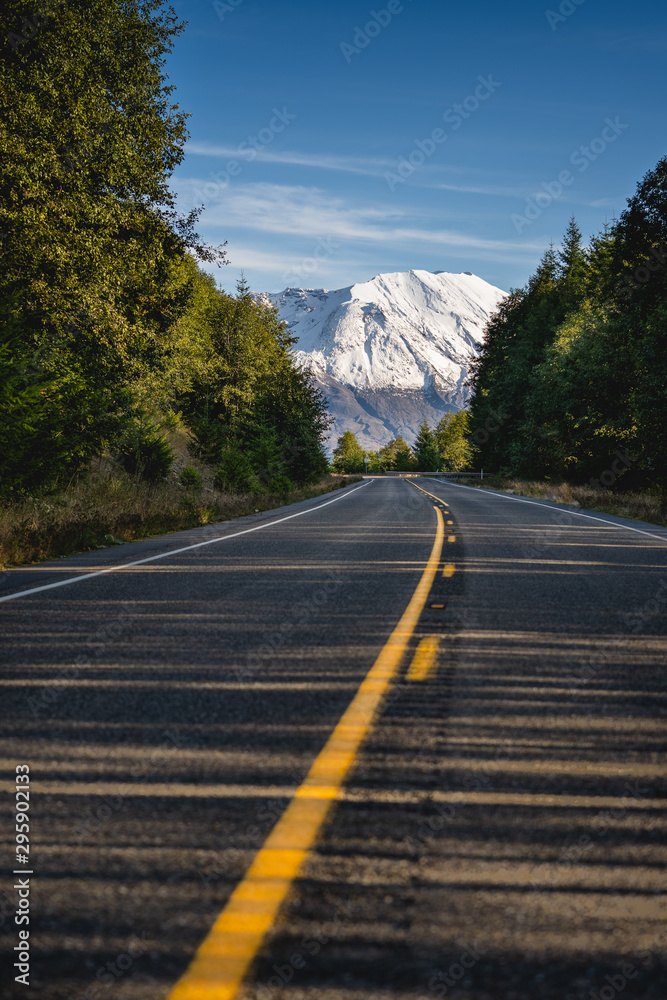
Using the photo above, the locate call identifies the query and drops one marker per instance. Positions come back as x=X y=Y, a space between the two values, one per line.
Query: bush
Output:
x=279 y=483
x=235 y=471
x=191 y=479
x=146 y=453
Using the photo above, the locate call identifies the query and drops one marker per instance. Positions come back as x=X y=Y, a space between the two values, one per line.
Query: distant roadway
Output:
x=403 y=741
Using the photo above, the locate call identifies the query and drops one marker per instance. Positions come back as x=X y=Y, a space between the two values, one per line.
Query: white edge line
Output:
x=171 y=552
x=554 y=506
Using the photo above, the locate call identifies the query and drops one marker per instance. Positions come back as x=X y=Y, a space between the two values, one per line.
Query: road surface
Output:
x=490 y=824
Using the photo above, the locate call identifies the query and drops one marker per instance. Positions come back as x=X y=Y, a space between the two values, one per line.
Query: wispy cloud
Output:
x=311 y=212
x=369 y=166
x=611 y=203
x=629 y=41
x=491 y=190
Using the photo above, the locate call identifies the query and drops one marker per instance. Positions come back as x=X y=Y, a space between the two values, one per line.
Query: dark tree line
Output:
x=572 y=380
x=446 y=447
x=107 y=325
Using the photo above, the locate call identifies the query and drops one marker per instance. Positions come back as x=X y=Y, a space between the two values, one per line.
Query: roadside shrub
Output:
x=146 y=453
x=235 y=471
x=191 y=479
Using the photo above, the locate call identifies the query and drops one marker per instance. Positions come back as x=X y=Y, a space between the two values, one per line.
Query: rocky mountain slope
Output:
x=391 y=351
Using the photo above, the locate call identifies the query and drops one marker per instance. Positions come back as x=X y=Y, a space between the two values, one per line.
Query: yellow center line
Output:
x=451 y=538
x=425 y=658
x=449 y=571
x=223 y=959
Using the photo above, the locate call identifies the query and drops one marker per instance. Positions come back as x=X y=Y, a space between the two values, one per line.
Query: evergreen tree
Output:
x=404 y=459
x=452 y=437
x=573 y=371
x=375 y=463
x=426 y=449
x=396 y=456
x=348 y=454
x=24 y=414
x=573 y=269
x=505 y=429
x=640 y=245
x=242 y=393
x=572 y=257
x=600 y=255
x=91 y=241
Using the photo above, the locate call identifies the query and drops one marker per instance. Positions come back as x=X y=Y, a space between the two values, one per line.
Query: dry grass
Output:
x=651 y=507
x=109 y=507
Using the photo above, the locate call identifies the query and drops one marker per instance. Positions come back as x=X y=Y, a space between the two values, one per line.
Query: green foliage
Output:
x=574 y=267
x=348 y=454
x=104 y=313
x=403 y=457
x=239 y=389
x=375 y=463
x=573 y=372
x=91 y=270
x=191 y=479
x=144 y=451
x=235 y=471
x=396 y=456
x=427 y=453
x=24 y=413
x=452 y=437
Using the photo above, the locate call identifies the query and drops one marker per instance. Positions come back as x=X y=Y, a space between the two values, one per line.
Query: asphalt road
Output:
x=501 y=834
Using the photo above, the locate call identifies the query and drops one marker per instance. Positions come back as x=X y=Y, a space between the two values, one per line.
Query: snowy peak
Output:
x=405 y=332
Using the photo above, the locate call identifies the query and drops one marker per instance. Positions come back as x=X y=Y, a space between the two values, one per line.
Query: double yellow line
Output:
x=449 y=568
x=426 y=654
x=222 y=961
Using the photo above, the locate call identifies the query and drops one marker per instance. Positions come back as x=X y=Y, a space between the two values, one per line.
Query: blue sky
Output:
x=332 y=142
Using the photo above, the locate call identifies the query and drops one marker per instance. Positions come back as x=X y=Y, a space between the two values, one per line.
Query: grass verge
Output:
x=651 y=507
x=110 y=508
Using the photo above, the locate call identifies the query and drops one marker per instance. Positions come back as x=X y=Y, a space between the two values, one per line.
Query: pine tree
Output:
x=91 y=241
x=573 y=369
x=348 y=454
x=573 y=269
x=452 y=437
x=426 y=449
x=600 y=284
x=396 y=455
x=244 y=393
x=572 y=257
x=404 y=459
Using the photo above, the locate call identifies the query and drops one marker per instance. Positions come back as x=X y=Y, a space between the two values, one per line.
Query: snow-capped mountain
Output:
x=390 y=351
